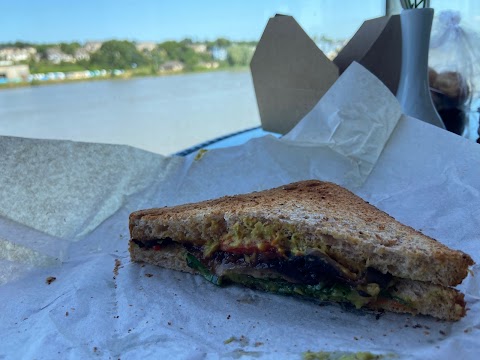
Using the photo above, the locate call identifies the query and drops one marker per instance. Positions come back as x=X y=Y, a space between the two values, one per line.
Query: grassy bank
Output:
x=139 y=72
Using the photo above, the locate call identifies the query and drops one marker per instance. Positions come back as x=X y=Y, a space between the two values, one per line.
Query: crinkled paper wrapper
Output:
x=64 y=210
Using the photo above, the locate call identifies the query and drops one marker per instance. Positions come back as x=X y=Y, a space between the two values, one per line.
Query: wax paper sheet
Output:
x=354 y=127
x=66 y=188
x=101 y=305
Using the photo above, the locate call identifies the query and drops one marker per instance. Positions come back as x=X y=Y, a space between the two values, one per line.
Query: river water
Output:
x=160 y=114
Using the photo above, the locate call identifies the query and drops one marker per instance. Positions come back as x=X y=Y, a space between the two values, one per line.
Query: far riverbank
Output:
x=111 y=75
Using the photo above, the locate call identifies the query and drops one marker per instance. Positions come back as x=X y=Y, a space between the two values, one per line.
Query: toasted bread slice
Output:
x=302 y=216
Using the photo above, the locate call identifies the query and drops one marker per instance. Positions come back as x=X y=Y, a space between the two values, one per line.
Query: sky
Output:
x=48 y=21
x=52 y=21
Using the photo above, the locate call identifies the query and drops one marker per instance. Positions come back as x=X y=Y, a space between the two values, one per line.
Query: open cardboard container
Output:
x=291 y=74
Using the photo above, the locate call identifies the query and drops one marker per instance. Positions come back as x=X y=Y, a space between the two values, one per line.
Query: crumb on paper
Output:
x=228 y=317
x=66 y=313
x=50 y=279
x=242 y=340
x=200 y=154
x=149 y=275
x=95 y=349
x=169 y=323
x=118 y=263
x=229 y=340
x=258 y=343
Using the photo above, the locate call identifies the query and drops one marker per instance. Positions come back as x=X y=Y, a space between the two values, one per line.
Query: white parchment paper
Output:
x=66 y=188
x=103 y=306
x=354 y=127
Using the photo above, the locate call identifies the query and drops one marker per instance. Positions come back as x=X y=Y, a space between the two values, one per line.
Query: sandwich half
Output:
x=311 y=239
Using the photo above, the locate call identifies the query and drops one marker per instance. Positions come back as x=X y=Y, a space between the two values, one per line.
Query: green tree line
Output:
x=122 y=54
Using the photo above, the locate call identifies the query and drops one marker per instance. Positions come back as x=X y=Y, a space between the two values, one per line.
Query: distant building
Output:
x=56 y=56
x=81 y=54
x=13 y=73
x=199 y=48
x=209 y=65
x=76 y=75
x=93 y=46
x=17 y=54
x=146 y=46
x=171 y=66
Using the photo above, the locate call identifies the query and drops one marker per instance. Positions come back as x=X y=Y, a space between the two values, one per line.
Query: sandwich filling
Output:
x=311 y=274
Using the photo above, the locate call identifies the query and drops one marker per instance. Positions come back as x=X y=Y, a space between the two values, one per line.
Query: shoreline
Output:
x=127 y=75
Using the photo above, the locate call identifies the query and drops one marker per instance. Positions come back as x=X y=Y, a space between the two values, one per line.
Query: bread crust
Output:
x=173 y=259
x=325 y=216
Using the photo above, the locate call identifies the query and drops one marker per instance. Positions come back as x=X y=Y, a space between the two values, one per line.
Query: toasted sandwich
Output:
x=311 y=239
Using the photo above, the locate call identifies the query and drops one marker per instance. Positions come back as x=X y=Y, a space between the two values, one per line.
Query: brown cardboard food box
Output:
x=290 y=73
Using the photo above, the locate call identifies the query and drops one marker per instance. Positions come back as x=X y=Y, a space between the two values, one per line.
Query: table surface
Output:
x=233 y=139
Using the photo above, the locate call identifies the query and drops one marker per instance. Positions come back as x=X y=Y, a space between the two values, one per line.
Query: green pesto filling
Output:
x=335 y=293
x=195 y=264
x=320 y=291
